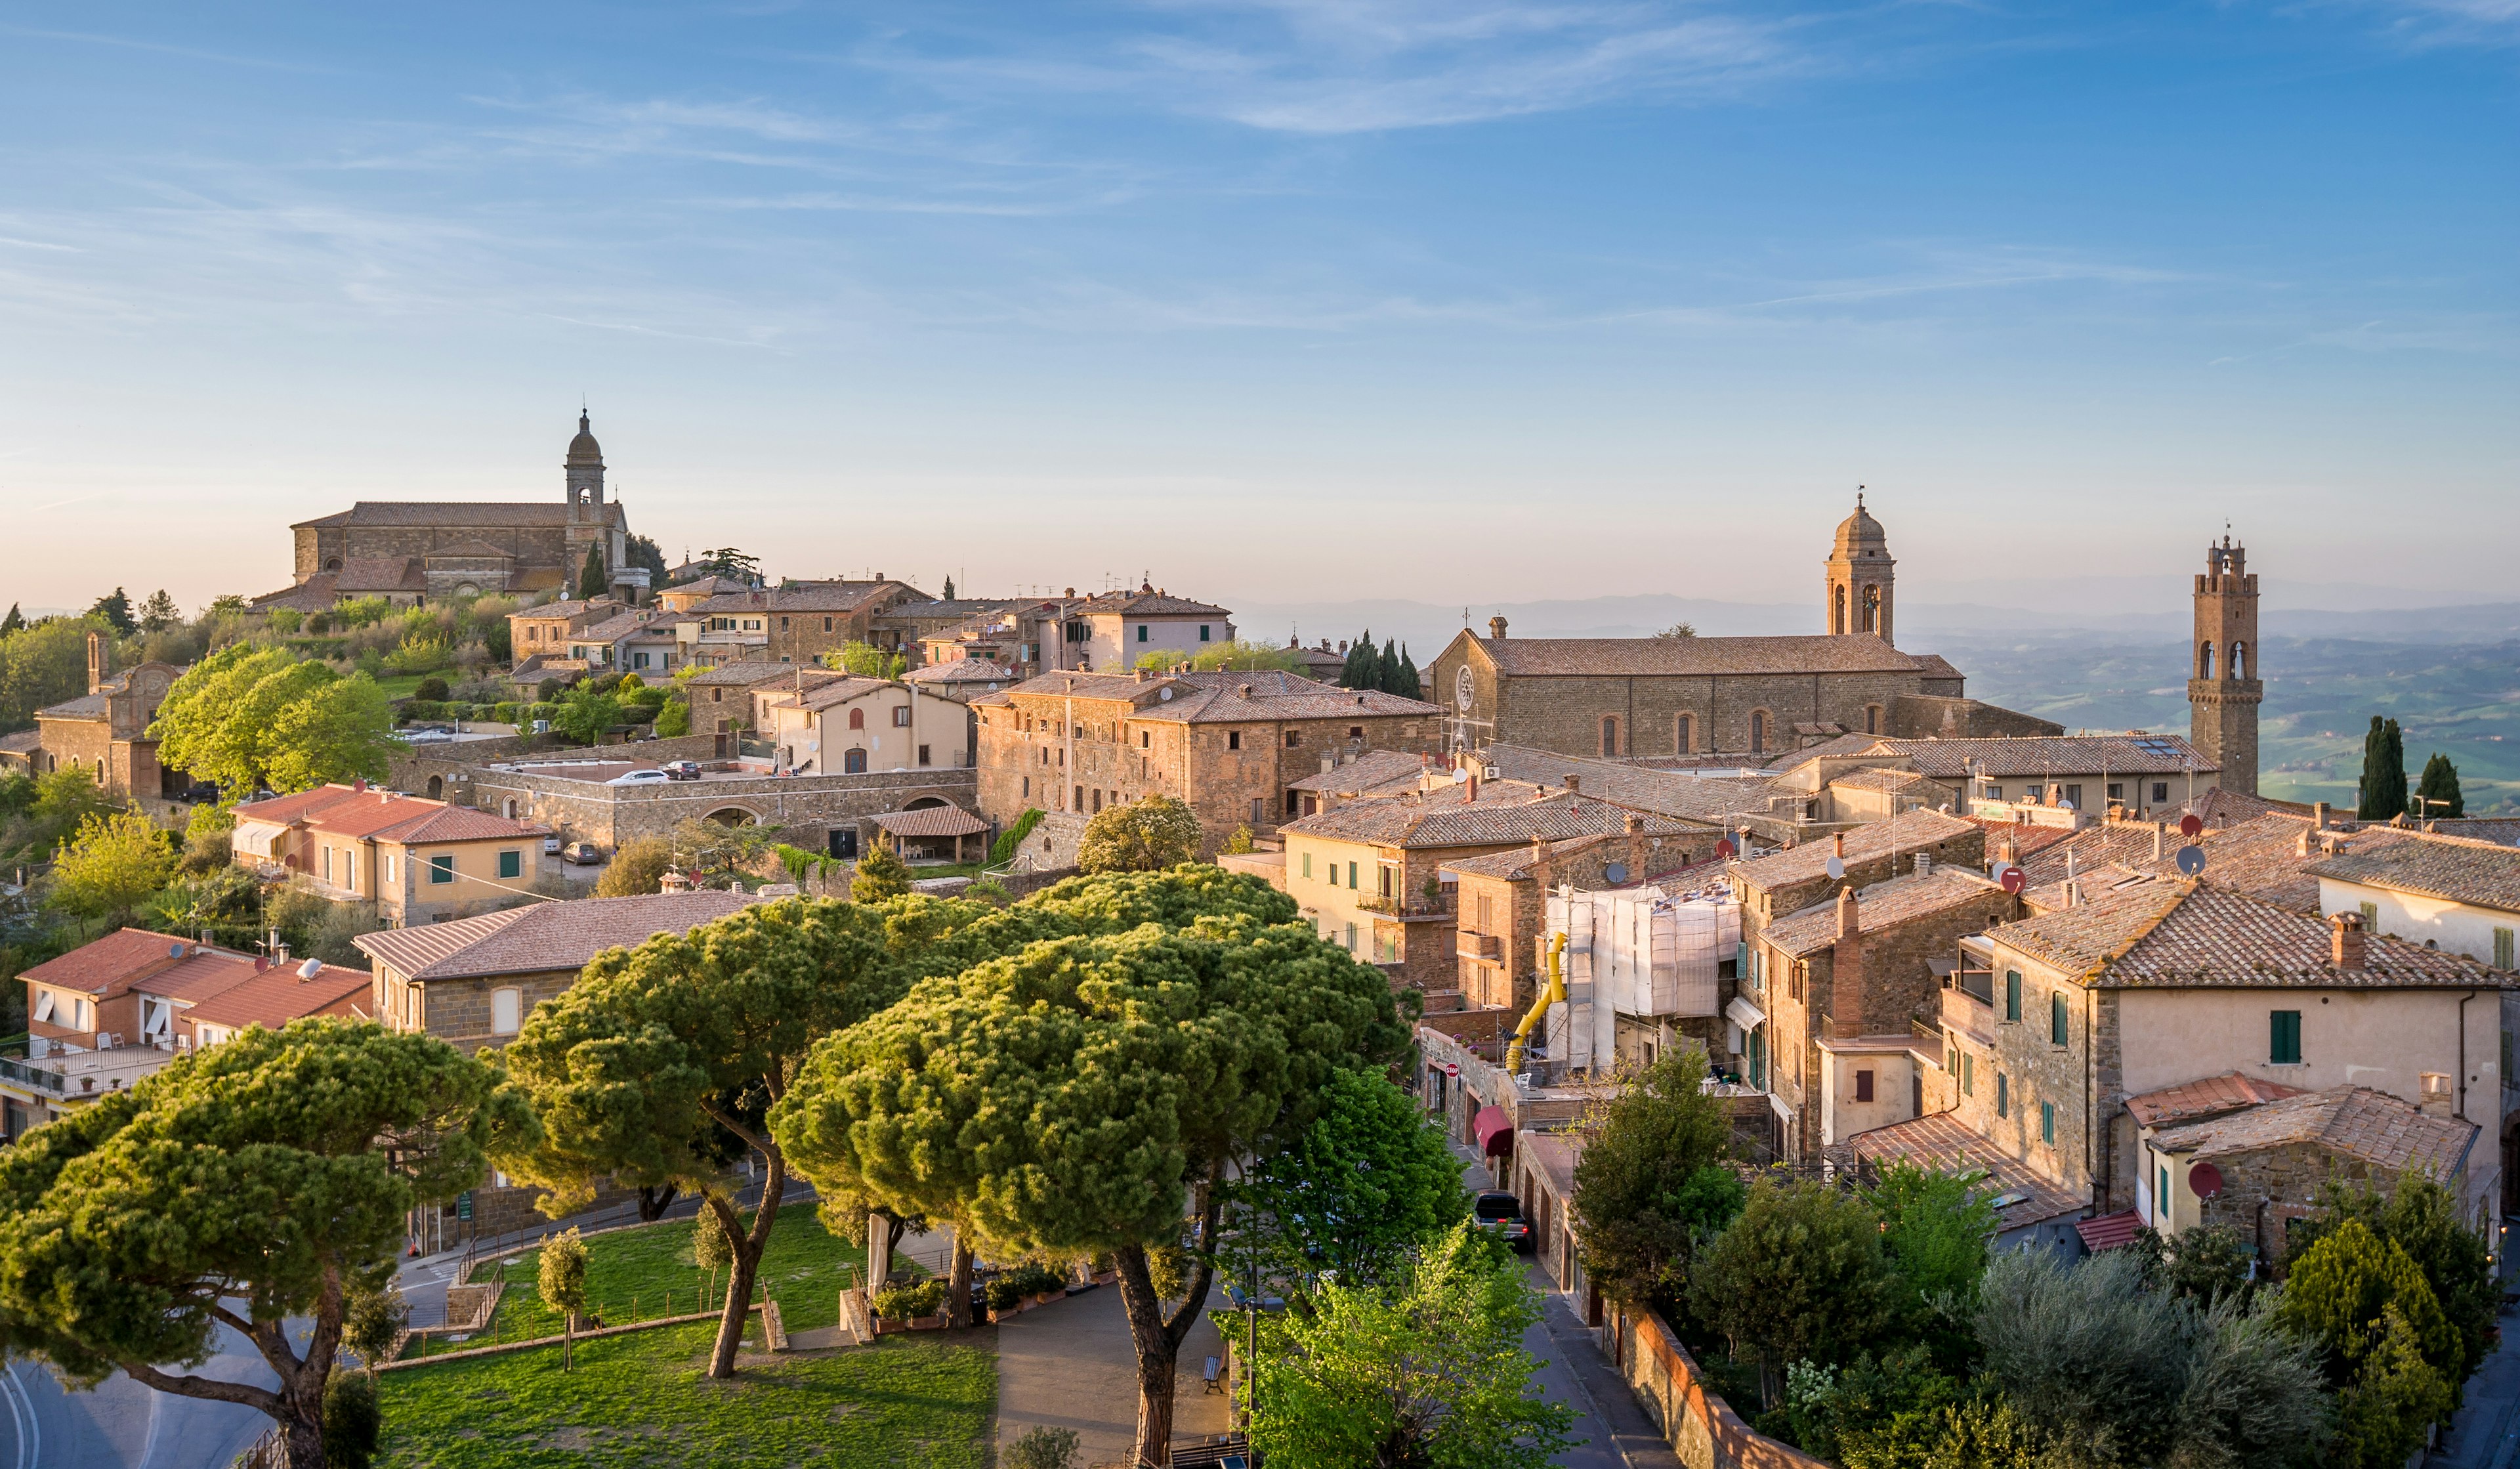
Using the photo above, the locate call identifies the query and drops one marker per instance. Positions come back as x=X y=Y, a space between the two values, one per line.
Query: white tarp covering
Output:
x=1646 y=954
x=255 y=839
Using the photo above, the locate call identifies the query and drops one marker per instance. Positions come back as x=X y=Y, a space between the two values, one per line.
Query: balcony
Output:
x=1486 y=947
x=1977 y=983
x=1964 y=1011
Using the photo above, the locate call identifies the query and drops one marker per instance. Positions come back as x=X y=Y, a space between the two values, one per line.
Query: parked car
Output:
x=1500 y=1214
x=682 y=769
x=551 y=847
x=584 y=855
x=640 y=778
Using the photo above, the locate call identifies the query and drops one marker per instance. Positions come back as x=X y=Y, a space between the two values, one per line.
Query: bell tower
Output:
x=2224 y=689
x=585 y=466
x=1860 y=571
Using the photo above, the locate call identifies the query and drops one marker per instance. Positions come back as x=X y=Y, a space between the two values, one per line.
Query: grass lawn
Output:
x=920 y=1397
x=803 y=1267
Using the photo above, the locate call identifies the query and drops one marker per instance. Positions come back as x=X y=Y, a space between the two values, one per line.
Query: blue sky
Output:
x=1472 y=301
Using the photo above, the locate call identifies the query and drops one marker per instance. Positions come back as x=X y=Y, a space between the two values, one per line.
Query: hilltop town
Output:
x=853 y=964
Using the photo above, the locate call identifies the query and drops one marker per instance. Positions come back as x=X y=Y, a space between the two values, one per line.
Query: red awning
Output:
x=1494 y=1131
x=2110 y=1230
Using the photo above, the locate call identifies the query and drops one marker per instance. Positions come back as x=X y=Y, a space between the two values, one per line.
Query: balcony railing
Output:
x=1486 y=947
x=32 y=1077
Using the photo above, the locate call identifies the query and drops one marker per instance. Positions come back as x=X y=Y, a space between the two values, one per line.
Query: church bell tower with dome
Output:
x=1860 y=571
x=585 y=467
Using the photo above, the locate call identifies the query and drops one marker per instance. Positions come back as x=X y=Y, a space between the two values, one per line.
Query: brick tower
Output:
x=2224 y=690
x=1860 y=573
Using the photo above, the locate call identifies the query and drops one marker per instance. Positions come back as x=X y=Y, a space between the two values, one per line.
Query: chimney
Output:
x=2159 y=828
x=1496 y=628
x=2345 y=940
x=2301 y=848
x=1925 y=865
x=1575 y=783
x=1639 y=850
x=1474 y=785
x=2318 y=815
x=1540 y=863
x=1840 y=839
x=1846 y=968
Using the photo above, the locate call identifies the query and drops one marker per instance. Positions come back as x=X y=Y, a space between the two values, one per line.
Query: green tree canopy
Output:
x=248 y=717
x=1362 y=669
x=1352 y=1197
x=1637 y=1187
x=2383 y=792
x=585 y=717
x=14 y=621
x=865 y=661
x=730 y=562
x=2438 y=788
x=591 y=581
x=2336 y=1290
x=1431 y=1372
x=638 y=867
x=1146 y=835
x=1240 y=654
x=259 y=1180
x=1936 y=1227
x=1801 y=1273
x=654 y=1047
x=1088 y=1092
x=115 y=607
x=159 y=612
x=880 y=876
x=117 y=861
x=41 y=665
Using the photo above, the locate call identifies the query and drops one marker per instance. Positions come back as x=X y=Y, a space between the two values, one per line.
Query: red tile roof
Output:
x=2355 y=1120
x=1906 y=832
x=2207 y=1096
x=276 y=996
x=2110 y=1230
x=2461 y=869
x=1699 y=657
x=1937 y=1140
x=1881 y=907
x=543 y=937
x=108 y=965
x=382 y=815
x=931 y=821
x=2173 y=933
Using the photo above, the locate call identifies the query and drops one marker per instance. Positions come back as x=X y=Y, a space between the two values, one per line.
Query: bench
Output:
x=1214 y=1375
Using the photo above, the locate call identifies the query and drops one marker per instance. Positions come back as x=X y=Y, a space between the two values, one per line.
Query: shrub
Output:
x=880 y=875
x=1003 y=851
x=637 y=868
x=1147 y=835
x=673 y=720
x=432 y=687
x=352 y=1421
x=1801 y=1273
x=902 y=1303
x=1043 y=1449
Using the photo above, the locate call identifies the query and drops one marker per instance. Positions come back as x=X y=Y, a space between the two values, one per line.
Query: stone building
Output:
x=1784 y=883
x=1838 y=990
x=1112 y=632
x=105 y=731
x=2260 y=1167
x=849 y=725
x=415 y=551
x=417 y=860
x=1759 y=696
x=835 y=812
x=2224 y=687
x=1232 y=745
x=2126 y=774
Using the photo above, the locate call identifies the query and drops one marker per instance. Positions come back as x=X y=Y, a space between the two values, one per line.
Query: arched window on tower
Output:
x=1872 y=608
x=1838 y=608
x=2205 y=659
x=2239 y=660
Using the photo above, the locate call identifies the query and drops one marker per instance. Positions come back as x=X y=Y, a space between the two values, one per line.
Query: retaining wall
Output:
x=1700 y=1426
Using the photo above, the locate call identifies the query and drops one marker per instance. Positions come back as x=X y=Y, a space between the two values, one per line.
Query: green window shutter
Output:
x=511 y=864
x=2283 y=1038
x=2161 y=1200
x=2047 y=1124
x=2012 y=995
x=2371 y=917
x=2502 y=948
x=442 y=869
x=2003 y=1095
x=2057 y=1018
x=1969 y=1075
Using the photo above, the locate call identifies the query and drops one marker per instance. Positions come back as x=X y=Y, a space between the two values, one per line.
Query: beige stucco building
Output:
x=417 y=860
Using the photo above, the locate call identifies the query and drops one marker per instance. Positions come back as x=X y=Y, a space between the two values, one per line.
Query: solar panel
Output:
x=2166 y=749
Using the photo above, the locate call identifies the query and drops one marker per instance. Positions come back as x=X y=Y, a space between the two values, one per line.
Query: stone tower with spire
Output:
x=1860 y=571
x=2224 y=689
x=585 y=466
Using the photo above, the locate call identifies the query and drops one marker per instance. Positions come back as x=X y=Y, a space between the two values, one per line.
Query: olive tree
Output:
x=261 y=1181
x=1093 y=1092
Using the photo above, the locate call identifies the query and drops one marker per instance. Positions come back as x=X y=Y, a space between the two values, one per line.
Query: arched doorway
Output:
x=731 y=815
x=438 y=788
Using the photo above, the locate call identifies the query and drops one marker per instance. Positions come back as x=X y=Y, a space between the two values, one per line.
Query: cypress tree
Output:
x=16 y=621
x=1410 y=683
x=1361 y=669
x=2367 y=798
x=2440 y=788
x=591 y=581
x=2393 y=771
x=1387 y=668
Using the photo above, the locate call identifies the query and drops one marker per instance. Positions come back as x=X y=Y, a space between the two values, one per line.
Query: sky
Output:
x=1281 y=301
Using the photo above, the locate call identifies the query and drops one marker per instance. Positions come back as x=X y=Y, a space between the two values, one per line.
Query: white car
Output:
x=640 y=778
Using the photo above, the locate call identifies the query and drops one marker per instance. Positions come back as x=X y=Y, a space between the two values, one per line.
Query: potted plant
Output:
x=919 y=1307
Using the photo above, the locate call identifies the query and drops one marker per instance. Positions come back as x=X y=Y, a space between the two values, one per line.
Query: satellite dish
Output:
x=2191 y=860
x=2205 y=1180
x=1834 y=867
x=1165 y=694
x=2190 y=824
x=2013 y=880
x=2064 y=805
x=1725 y=848
x=175 y=950
x=1616 y=872
x=310 y=969
x=1462 y=776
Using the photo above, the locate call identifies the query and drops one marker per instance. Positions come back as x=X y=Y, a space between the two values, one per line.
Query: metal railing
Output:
x=33 y=1077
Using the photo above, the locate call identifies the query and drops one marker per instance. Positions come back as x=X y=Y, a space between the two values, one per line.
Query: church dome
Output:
x=583 y=450
x=1860 y=531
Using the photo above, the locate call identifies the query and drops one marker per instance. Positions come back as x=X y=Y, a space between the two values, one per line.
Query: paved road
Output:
x=2486 y=1433
x=123 y=1425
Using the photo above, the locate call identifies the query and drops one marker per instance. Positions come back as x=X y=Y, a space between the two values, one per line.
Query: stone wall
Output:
x=2034 y=1070
x=1700 y=1426
x=1926 y=717
x=411 y=770
x=1566 y=713
x=805 y=807
x=1762 y=905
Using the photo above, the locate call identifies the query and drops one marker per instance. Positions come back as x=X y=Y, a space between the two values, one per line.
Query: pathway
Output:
x=1071 y=1365
x=2486 y=1432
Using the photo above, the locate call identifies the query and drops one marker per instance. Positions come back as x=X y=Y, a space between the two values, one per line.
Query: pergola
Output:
x=926 y=827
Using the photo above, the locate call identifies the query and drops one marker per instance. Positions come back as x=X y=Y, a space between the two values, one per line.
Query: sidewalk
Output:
x=2487 y=1429
x=1072 y=1364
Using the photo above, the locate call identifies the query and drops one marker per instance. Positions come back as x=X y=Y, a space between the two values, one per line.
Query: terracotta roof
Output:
x=447 y=513
x=565 y=608
x=1883 y=905
x=1905 y=832
x=1372 y=770
x=1546 y=657
x=1218 y=698
x=960 y=671
x=1669 y=793
x=545 y=936
x=108 y=965
x=832 y=690
x=1504 y=812
x=612 y=628
x=382 y=815
x=1147 y=602
x=2260 y=857
x=1938 y=1141
x=2207 y=1096
x=1515 y=865
x=23 y=742
x=1935 y=665
x=2169 y=932
x=749 y=673
x=277 y=996
x=931 y=821
x=2016 y=758
x=708 y=584
x=2110 y=1230
x=313 y=594
x=802 y=597
x=2027 y=839
x=2502 y=831
x=2461 y=869
x=1883 y=778
x=2355 y=1120
x=472 y=550
x=94 y=706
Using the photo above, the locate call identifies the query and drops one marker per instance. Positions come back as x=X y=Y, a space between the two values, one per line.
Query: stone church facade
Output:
x=1752 y=697
x=413 y=551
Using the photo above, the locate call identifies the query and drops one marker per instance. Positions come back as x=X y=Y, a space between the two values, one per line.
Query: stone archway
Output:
x=926 y=803
x=731 y=815
x=438 y=788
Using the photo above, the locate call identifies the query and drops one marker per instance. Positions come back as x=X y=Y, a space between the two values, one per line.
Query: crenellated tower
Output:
x=2224 y=690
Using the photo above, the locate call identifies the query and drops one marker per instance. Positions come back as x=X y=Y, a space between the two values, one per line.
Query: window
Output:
x=1080 y=800
x=1872 y=719
x=2057 y=1018
x=923 y=754
x=505 y=1005
x=2162 y=1211
x=1027 y=786
x=1351 y=877
x=1383 y=882
x=901 y=716
x=1142 y=632
x=1994 y=793
x=2371 y=917
x=1146 y=740
x=442 y=869
x=1256 y=813
x=2283 y=1037
x=1097 y=800
x=1308 y=864
x=2073 y=795
x=511 y=863
x=1863 y=1087
x=1234 y=739
x=1758 y=731
x=1294 y=736
x=783 y=625
x=2160 y=792
x=2003 y=1095
x=1610 y=734
x=1683 y=739
x=1969 y=1075
x=2117 y=790
x=2502 y=948
x=328 y=864
x=44 y=1006
x=856 y=718
x=2012 y=995
x=1356 y=731
x=1351 y=938
x=2047 y=1124
x=389 y=862
x=1203 y=632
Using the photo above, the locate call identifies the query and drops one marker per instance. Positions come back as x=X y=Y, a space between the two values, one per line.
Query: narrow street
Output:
x=2487 y=1429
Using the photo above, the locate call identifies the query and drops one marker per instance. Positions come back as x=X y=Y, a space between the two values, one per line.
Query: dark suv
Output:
x=1501 y=1214
x=682 y=769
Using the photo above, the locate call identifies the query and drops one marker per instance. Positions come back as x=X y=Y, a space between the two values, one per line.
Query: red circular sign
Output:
x=1451 y=1067
x=2190 y=824
x=2205 y=1180
x=2012 y=880
x=1725 y=848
